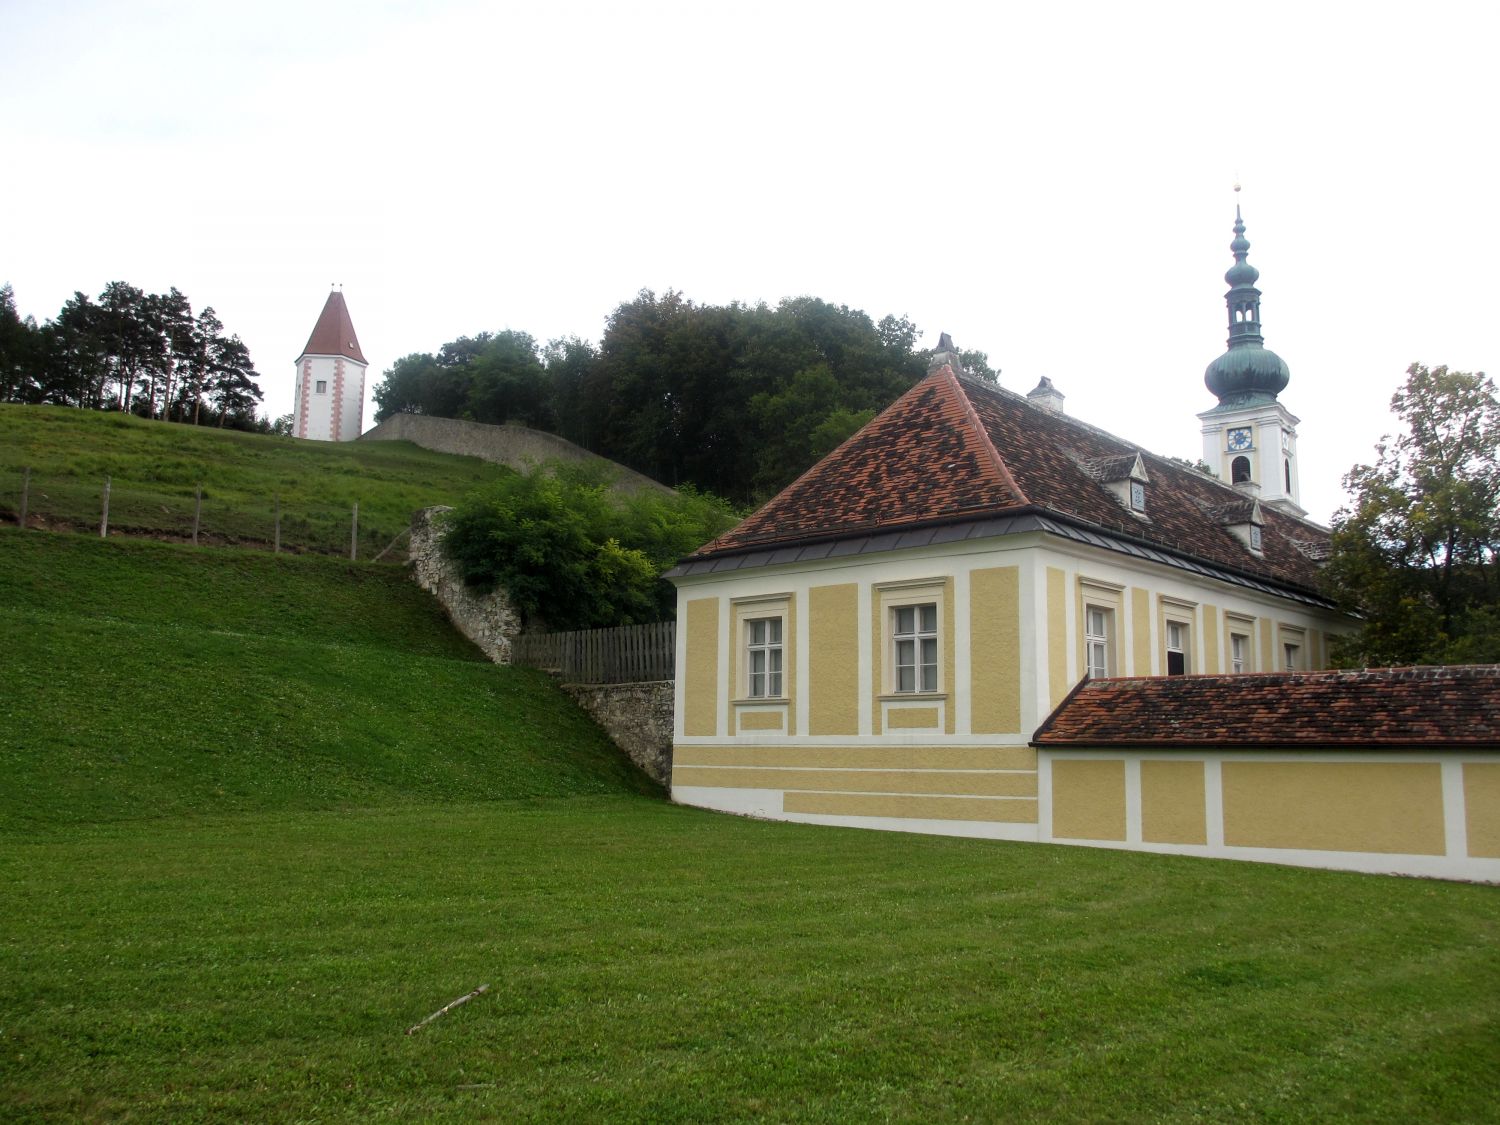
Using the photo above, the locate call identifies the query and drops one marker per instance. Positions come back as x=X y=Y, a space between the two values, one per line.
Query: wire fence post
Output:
x=277 y=548
x=197 y=512
x=354 y=534
x=104 y=516
x=25 y=493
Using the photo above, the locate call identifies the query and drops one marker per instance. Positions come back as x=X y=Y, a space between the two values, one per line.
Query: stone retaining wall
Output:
x=516 y=446
x=489 y=620
x=637 y=717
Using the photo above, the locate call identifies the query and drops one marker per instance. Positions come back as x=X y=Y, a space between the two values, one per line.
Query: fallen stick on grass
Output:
x=448 y=1008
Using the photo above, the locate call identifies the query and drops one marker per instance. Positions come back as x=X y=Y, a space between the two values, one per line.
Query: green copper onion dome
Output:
x=1248 y=372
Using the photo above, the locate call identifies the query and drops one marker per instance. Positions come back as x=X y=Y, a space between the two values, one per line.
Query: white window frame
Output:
x=1179 y=641
x=320 y=386
x=1240 y=658
x=915 y=635
x=889 y=598
x=1098 y=640
x=764 y=639
x=1293 y=649
x=1242 y=626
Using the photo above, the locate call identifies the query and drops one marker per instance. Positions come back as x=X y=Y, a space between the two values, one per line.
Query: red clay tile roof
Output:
x=334 y=332
x=952 y=449
x=1456 y=705
x=925 y=457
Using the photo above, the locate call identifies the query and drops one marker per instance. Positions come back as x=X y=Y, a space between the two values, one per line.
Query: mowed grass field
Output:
x=156 y=468
x=260 y=816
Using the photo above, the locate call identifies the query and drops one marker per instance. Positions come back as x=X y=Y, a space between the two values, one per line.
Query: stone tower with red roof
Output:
x=330 y=394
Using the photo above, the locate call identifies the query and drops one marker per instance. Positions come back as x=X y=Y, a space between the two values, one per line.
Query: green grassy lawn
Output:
x=155 y=467
x=146 y=679
x=653 y=963
x=260 y=815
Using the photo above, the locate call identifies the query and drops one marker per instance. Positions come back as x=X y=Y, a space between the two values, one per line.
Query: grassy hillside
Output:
x=156 y=466
x=145 y=679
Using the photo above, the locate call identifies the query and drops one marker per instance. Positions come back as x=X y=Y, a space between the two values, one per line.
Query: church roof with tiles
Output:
x=1373 y=707
x=953 y=449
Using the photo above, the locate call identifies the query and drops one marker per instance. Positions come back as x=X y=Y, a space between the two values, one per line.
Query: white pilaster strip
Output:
x=1132 y=799
x=1213 y=801
x=1455 y=817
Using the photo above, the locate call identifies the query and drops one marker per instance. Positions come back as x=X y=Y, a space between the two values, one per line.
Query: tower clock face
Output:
x=1239 y=438
x=1286 y=442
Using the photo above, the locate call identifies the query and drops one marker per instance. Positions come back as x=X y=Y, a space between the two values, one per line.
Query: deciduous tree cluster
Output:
x=736 y=399
x=1416 y=552
x=130 y=351
x=573 y=553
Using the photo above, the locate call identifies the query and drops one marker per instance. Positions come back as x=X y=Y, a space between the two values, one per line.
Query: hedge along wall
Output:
x=1426 y=812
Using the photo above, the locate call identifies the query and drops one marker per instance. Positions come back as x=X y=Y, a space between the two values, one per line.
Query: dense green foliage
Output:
x=156 y=466
x=651 y=963
x=145 y=353
x=572 y=552
x=736 y=399
x=1416 y=552
x=144 y=680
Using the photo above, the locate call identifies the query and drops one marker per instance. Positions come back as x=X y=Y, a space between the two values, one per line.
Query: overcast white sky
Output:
x=1048 y=182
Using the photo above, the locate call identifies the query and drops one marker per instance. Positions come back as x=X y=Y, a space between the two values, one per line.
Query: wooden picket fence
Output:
x=623 y=655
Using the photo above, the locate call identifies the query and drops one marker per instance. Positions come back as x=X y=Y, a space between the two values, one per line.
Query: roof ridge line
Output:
x=996 y=461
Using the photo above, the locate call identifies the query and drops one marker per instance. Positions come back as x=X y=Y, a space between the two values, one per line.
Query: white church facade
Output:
x=330 y=390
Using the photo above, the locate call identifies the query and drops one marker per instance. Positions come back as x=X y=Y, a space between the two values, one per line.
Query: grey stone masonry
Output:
x=516 y=446
x=637 y=717
x=489 y=620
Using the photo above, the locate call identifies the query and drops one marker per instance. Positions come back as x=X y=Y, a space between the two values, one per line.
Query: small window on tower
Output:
x=1239 y=470
x=321 y=387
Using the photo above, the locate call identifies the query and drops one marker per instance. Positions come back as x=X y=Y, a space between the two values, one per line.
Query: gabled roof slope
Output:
x=334 y=332
x=925 y=458
x=1457 y=705
x=954 y=449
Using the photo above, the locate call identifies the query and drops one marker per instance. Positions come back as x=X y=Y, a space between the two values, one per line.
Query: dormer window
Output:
x=1243 y=520
x=1125 y=476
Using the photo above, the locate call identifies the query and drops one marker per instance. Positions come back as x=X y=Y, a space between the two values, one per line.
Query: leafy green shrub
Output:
x=574 y=554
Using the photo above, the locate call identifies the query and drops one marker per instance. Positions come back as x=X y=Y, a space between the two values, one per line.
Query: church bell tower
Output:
x=1250 y=438
x=330 y=394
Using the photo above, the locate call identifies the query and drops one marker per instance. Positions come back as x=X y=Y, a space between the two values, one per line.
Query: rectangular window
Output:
x=914 y=630
x=321 y=387
x=1177 y=648
x=764 y=657
x=1098 y=625
x=1291 y=657
x=1239 y=652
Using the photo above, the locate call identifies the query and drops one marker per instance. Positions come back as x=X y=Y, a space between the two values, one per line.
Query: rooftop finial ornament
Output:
x=945 y=355
x=1248 y=372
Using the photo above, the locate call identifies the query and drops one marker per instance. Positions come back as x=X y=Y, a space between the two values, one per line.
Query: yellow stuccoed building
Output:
x=878 y=645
